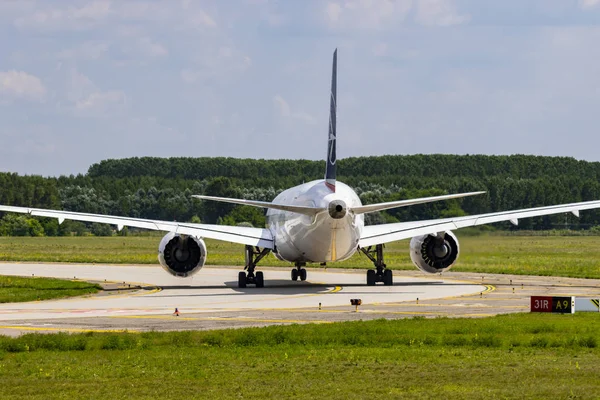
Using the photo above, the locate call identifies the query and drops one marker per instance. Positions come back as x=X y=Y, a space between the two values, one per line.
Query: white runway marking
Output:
x=215 y=289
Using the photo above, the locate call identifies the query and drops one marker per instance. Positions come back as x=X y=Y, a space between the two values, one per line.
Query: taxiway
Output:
x=142 y=298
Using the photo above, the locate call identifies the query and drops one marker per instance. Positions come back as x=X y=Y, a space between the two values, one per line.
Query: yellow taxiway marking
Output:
x=279 y=321
x=76 y=330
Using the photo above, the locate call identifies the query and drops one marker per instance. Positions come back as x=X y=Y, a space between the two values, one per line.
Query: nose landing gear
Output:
x=299 y=271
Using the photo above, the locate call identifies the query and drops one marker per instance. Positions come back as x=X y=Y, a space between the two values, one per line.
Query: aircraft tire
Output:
x=302 y=274
x=294 y=274
x=260 y=279
x=242 y=279
x=388 y=277
x=371 y=277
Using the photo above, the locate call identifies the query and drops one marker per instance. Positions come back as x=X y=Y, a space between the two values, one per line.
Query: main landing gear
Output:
x=299 y=271
x=253 y=256
x=380 y=273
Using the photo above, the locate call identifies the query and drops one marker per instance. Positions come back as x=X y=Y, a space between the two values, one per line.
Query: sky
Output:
x=84 y=81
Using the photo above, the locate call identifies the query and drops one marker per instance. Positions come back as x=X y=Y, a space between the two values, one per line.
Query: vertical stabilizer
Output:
x=331 y=156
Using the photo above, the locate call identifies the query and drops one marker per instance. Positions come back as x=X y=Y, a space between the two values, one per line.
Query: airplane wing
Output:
x=379 y=234
x=237 y=234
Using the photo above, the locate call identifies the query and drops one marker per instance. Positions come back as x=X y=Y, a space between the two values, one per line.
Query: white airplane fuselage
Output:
x=330 y=235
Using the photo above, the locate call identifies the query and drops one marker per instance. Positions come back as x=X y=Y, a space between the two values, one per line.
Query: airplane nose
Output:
x=337 y=209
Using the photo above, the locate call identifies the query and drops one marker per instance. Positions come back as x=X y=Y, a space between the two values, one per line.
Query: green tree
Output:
x=35 y=227
x=101 y=229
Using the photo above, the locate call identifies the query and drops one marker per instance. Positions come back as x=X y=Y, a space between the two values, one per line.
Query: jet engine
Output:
x=181 y=255
x=434 y=253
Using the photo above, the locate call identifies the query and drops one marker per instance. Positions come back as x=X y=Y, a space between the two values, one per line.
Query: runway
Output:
x=142 y=298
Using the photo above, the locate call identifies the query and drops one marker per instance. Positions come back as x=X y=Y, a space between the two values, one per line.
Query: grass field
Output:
x=573 y=256
x=15 y=289
x=509 y=356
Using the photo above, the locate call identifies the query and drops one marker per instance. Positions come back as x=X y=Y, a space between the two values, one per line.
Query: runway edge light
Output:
x=356 y=303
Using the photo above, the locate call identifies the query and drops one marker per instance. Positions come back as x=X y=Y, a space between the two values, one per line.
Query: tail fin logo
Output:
x=332 y=138
x=332 y=157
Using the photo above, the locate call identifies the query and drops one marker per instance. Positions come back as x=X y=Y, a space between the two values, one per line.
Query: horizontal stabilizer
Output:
x=265 y=204
x=403 y=203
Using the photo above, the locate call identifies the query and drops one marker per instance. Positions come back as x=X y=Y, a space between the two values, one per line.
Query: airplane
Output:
x=321 y=221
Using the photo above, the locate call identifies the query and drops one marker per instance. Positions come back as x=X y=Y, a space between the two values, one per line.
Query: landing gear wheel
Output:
x=259 y=279
x=242 y=279
x=388 y=277
x=294 y=274
x=371 y=277
x=380 y=273
x=253 y=256
x=302 y=274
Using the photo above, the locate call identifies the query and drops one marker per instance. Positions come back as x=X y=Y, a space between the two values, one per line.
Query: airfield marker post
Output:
x=356 y=303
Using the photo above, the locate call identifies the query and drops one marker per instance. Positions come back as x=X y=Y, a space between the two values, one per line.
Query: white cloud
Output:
x=586 y=4
x=10 y=9
x=95 y=10
x=101 y=101
x=202 y=18
x=197 y=17
x=222 y=63
x=380 y=49
x=366 y=14
x=98 y=12
x=20 y=84
x=333 y=11
x=285 y=111
x=87 y=99
x=189 y=76
x=225 y=52
x=91 y=50
x=150 y=48
x=282 y=106
x=79 y=86
x=71 y=18
x=439 y=13
x=383 y=14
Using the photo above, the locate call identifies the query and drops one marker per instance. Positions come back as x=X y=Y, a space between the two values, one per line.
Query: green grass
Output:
x=571 y=256
x=509 y=356
x=15 y=289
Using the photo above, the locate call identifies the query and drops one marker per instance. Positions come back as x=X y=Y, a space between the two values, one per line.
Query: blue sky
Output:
x=83 y=81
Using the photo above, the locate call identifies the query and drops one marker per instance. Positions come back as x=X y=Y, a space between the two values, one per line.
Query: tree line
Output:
x=161 y=188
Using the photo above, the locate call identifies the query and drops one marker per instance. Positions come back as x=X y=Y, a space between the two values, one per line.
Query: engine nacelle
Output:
x=434 y=254
x=181 y=255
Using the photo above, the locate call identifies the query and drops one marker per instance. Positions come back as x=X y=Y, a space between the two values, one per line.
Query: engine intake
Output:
x=181 y=255
x=434 y=254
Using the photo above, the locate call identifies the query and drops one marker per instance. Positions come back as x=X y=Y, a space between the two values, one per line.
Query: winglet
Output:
x=331 y=154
